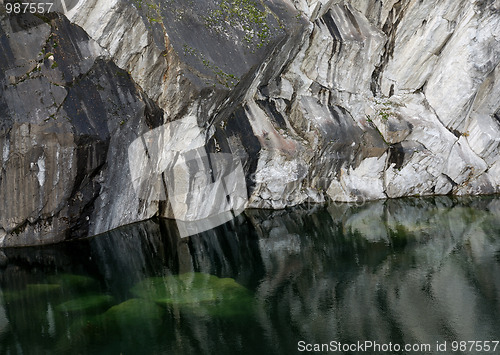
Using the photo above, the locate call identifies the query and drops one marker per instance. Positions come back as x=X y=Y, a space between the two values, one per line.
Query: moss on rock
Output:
x=198 y=293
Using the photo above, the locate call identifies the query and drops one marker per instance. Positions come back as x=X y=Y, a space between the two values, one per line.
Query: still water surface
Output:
x=410 y=271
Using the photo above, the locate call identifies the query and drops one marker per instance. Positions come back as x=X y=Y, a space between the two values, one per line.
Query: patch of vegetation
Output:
x=44 y=55
x=127 y=321
x=74 y=282
x=31 y=291
x=244 y=14
x=384 y=114
x=86 y=304
x=385 y=108
x=197 y=293
x=223 y=78
x=152 y=10
x=43 y=18
x=51 y=117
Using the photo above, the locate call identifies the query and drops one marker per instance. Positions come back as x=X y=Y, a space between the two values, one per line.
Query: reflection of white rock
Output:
x=171 y=163
x=438 y=268
x=198 y=226
x=368 y=222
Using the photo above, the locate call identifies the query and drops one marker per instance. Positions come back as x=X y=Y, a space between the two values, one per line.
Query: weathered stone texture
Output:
x=342 y=100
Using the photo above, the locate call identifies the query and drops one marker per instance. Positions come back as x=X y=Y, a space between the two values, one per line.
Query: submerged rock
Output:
x=86 y=304
x=344 y=100
x=133 y=312
x=74 y=283
x=197 y=293
x=31 y=291
x=126 y=326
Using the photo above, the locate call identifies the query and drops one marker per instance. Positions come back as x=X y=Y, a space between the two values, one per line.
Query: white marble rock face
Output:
x=346 y=100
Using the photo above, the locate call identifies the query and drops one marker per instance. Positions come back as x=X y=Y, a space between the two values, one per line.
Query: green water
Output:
x=413 y=271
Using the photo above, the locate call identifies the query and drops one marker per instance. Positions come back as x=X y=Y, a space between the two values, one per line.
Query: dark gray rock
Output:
x=61 y=110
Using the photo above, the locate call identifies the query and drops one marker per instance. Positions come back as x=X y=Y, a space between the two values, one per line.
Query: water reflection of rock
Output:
x=156 y=248
x=408 y=271
x=400 y=271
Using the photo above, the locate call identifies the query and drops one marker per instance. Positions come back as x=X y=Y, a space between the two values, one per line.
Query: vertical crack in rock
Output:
x=496 y=115
x=390 y=28
x=328 y=19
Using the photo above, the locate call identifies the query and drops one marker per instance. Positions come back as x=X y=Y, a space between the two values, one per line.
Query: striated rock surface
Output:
x=343 y=100
x=66 y=110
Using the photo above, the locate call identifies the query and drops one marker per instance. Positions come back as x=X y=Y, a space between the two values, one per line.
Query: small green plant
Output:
x=243 y=14
x=383 y=114
x=151 y=9
x=51 y=117
x=223 y=78
x=385 y=108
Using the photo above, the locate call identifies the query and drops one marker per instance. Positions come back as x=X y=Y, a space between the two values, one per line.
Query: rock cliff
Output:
x=316 y=100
